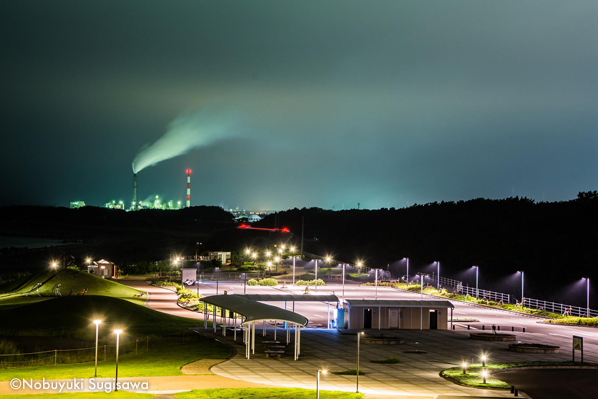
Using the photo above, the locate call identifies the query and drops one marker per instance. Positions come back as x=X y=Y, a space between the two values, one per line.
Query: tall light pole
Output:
x=316 y=278
x=344 y=264
x=588 y=295
x=421 y=291
x=293 y=252
x=359 y=265
x=117 y=332
x=438 y=275
x=359 y=334
x=407 y=269
x=477 y=270
x=376 y=282
x=318 y=383
x=97 y=323
x=522 y=291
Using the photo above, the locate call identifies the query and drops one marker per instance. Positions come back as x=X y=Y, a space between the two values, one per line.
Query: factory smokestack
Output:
x=188 y=188
x=134 y=190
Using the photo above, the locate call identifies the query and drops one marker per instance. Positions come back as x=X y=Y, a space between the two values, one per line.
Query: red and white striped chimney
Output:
x=188 y=188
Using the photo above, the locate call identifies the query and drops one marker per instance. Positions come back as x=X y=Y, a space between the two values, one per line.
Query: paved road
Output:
x=164 y=301
x=317 y=312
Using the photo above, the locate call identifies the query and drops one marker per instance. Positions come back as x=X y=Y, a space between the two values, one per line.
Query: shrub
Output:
x=300 y=282
x=268 y=282
x=252 y=282
x=8 y=348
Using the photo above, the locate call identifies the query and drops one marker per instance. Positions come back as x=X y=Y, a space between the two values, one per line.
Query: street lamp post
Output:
x=522 y=291
x=407 y=269
x=359 y=334
x=293 y=254
x=344 y=282
x=97 y=323
x=117 y=332
x=438 y=275
x=376 y=282
x=316 y=277
x=477 y=270
x=318 y=383
x=588 y=295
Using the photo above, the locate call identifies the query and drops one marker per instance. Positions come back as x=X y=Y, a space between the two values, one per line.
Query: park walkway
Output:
x=416 y=376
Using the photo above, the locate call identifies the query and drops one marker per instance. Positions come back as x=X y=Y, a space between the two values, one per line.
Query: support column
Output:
x=379 y=311
x=275 y=325
x=205 y=316
x=299 y=341
x=288 y=332
x=328 y=314
x=253 y=339
x=264 y=328
x=235 y=327
x=451 y=319
x=214 y=319
x=295 y=337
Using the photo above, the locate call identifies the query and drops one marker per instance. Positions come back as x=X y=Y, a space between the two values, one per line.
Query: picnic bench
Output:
x=272 y=353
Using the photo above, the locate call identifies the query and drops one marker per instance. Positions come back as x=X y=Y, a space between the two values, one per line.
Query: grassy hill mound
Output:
x=75 y=314
x=76 y=281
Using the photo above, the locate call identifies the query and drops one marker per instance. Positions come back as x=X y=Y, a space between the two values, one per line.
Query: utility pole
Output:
x=302 y=231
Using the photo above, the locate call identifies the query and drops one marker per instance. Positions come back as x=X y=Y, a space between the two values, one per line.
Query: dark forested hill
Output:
x=554 y=243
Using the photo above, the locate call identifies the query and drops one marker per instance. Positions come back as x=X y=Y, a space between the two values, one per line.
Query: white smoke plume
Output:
x=185 y=133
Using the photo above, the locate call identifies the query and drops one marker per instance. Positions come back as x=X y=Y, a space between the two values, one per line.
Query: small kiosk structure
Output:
x=397 y=314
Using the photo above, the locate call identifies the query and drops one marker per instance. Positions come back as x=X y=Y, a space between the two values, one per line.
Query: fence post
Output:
x=55 y=356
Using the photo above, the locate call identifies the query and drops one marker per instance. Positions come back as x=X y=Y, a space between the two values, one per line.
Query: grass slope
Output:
x=78 y=312
x=76 y=281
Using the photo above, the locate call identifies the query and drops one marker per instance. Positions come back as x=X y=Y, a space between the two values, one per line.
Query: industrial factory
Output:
x=157 y=203
x=136 y=204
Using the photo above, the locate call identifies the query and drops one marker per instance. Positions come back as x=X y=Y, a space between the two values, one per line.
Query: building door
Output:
x=394 y=318
x=367 y=318
x=433 y=320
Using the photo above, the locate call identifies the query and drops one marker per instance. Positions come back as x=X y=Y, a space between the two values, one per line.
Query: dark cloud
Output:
x=384 y=103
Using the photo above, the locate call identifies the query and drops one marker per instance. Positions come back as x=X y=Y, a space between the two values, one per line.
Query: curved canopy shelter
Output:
x=253 y=312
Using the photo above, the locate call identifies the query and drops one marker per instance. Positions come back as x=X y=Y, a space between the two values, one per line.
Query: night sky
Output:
x=281 y=104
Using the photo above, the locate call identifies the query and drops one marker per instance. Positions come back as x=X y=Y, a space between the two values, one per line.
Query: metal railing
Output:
x=499 y=297
x=445 y=281
x=560 y=308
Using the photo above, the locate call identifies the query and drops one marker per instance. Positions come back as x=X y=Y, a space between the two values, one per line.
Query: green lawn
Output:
x=265 y=393
x=84 y=395
x=67 y=322
x=473 y=376
x=72 y=280
x=76 y=314
x=165 y=357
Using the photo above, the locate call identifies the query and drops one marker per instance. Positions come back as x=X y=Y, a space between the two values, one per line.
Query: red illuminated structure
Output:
x=248 y=227
x=188 y=188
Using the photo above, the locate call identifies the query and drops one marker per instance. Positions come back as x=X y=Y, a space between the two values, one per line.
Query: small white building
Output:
x=224 y=257
x=397 y=314
x=103 y=269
